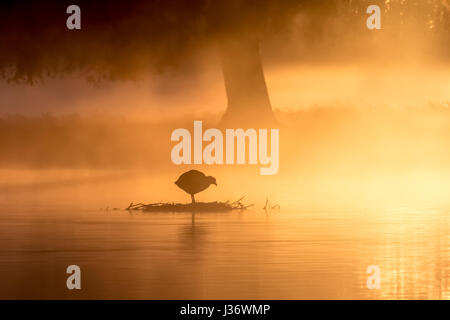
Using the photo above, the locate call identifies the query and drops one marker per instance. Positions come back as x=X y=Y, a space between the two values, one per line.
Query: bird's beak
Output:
x=215 y=184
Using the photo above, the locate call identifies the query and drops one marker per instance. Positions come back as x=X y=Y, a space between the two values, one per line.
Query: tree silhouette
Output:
x=122 y=39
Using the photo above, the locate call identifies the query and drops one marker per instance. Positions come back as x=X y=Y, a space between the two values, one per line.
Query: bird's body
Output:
x=194 y=181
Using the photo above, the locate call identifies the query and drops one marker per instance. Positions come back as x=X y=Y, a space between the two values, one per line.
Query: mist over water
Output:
x=357 y=186
x=364 y=175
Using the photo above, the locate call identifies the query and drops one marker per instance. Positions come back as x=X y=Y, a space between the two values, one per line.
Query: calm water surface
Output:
x=299 y=254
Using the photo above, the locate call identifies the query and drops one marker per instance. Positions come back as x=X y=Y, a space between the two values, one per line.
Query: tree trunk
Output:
x=248 y=99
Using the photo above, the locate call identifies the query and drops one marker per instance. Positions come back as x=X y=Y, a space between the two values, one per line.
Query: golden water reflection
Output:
x=302 y=254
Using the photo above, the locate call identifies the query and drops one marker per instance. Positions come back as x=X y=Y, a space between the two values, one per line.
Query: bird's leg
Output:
x=192 y=198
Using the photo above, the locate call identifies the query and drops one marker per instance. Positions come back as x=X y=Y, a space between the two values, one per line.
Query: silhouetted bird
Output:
x=194 y=182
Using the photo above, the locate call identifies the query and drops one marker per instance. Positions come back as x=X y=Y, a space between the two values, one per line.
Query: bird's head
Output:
x=212 y=180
